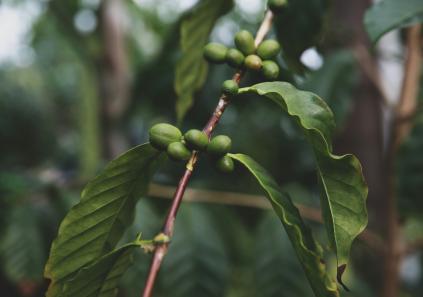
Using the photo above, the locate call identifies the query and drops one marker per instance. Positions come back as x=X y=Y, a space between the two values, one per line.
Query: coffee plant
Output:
x=85 y=259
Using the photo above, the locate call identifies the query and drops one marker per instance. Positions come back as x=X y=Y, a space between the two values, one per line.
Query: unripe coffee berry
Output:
x=215 y=52
x=219 y=145
x=268 y=49
x=253 y=62
x=234 y=57
x=270 y=70
x=161 y=135
x=244 y=41
x=277 y=5
x=230 y=87
x=177 y=151
x=196 y=139
x=225 y=164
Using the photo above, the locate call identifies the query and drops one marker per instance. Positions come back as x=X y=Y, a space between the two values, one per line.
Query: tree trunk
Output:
x=364 y=136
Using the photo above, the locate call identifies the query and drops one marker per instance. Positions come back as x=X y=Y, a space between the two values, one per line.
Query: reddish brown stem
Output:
x=168 y=227
x=161 y=249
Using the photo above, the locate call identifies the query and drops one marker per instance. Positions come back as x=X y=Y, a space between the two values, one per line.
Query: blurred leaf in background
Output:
x=22 y=247
x=191 y=70
x=387 y=15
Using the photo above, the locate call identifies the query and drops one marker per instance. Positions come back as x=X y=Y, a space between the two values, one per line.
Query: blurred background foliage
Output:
x=82 y=81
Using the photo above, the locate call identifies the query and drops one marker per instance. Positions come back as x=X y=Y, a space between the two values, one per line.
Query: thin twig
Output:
x=168 y=227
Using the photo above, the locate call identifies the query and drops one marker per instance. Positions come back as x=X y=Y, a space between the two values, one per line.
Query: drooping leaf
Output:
x=191 y=70
x=344 y=191
x=388 y=15
x=94 y=225
x=197 y=263
x=307 y=249
x=101 y=278
x=277 y=271
x=299 y=27
x=22 y=254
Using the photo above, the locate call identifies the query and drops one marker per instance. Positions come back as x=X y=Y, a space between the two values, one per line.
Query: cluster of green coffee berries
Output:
x=246 y=54
x=166 y=137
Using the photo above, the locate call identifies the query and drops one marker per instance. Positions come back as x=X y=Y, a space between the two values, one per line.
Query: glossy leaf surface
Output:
x=93 y=227
x=307 y=249
x=343 y=189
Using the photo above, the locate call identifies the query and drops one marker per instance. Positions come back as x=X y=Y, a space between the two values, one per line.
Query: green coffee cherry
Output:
x=268 y=49
x=234 y=57
x=270 y=70
x=244 y=41
x=177 y=151
x=253 y=62
x=196 y=139
x=225 y=164
x=230 y=87
x=277 y=5
x=215 y=52
x=161 y=135
x=219 y=145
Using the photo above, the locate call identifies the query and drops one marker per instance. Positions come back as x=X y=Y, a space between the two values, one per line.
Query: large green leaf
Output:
x=344 y=190
x=101 y=278
x=388 y=15
x=197 y=263
x=308 y=251
x=94 y=225
x=191 y=70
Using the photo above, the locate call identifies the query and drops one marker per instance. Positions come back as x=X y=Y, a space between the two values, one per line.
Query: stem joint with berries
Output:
x=250 y=54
